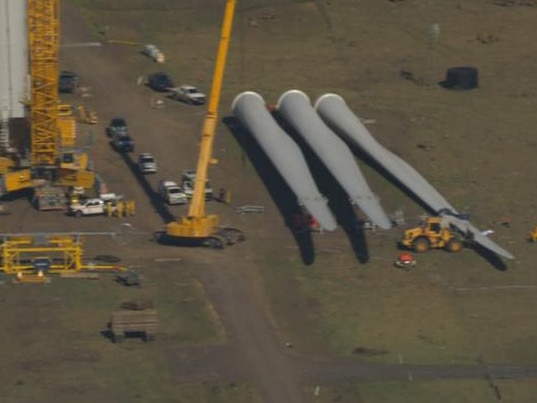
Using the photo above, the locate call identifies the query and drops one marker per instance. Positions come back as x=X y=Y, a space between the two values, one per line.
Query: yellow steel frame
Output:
x=65 y=252
x=197 y=224
x=43 y=34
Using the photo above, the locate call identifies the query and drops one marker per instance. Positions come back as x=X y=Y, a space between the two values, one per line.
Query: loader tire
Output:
x=454 y=245
x=421 y=245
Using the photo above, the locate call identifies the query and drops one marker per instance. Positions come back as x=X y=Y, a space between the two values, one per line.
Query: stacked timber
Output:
x=143 y=322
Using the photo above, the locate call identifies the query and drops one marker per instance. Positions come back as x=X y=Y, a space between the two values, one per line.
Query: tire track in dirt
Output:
x=254 y=351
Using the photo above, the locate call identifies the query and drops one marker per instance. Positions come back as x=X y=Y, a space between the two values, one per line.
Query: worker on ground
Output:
x=109 y=209
x=533 y=235
x=73 y=199
x=130 y=208
x=222 y=195
x=120 y=208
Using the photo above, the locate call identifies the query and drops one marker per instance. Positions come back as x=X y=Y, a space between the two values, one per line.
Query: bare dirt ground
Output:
x=476 y=147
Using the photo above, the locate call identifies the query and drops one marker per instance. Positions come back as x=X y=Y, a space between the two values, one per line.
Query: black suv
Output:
x=122 y=143
x=68 y=82
x=160 y=82
x=117 y=125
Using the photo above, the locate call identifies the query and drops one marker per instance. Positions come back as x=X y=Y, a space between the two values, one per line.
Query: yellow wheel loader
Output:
x=432 y=235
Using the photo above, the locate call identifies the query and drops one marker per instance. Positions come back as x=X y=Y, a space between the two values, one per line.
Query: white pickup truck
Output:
x=171 y=192
x=188 y=94
x=94 y=206
x=88 y=207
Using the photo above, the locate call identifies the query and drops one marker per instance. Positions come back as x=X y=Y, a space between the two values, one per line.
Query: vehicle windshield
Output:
x=174 y=190
x=147 y=160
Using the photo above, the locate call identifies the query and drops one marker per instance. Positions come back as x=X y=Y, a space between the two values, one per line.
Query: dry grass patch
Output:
x=452 y=391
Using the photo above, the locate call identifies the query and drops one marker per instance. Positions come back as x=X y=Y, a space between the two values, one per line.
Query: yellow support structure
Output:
x=198 y=225
x=19 y=253
x=53 y=127
x=197 y=207
x=6 y=165
x=43 y=35
x=18 y=180
x=76 y=176
x=59 y=253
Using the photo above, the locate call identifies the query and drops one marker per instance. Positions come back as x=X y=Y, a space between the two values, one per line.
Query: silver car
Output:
x=147 y=164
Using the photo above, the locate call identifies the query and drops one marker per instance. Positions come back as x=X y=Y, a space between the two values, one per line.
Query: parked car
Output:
x=188 y=94
x=171 y=192
x=88 y=207
x=153 y=53
x=122 y=142
x=95 y=206
x=117 y=125
x=188 y=180
x=68 y=82
x=147 y=164
x=160 y=82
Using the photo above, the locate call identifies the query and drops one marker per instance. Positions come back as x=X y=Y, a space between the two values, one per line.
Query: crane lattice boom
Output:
x=43 y=32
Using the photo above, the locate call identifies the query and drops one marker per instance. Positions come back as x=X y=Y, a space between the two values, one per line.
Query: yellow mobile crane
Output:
x=199 y=228
x=51 y=161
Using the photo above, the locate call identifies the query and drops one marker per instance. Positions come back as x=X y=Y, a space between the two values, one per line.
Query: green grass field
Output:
x=72 y=356
x=408 y=392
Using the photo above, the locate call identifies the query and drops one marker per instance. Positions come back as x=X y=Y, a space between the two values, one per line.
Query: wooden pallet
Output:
x=31 y=279
x=143 y=322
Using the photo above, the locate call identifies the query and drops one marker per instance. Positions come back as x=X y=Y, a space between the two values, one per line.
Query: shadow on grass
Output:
x=493 y=259
x=156 y=201
x=279 y=191
x=338 y=199
x=109 y=335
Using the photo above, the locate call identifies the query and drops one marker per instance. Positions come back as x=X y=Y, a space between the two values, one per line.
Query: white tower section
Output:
x=13 y=63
